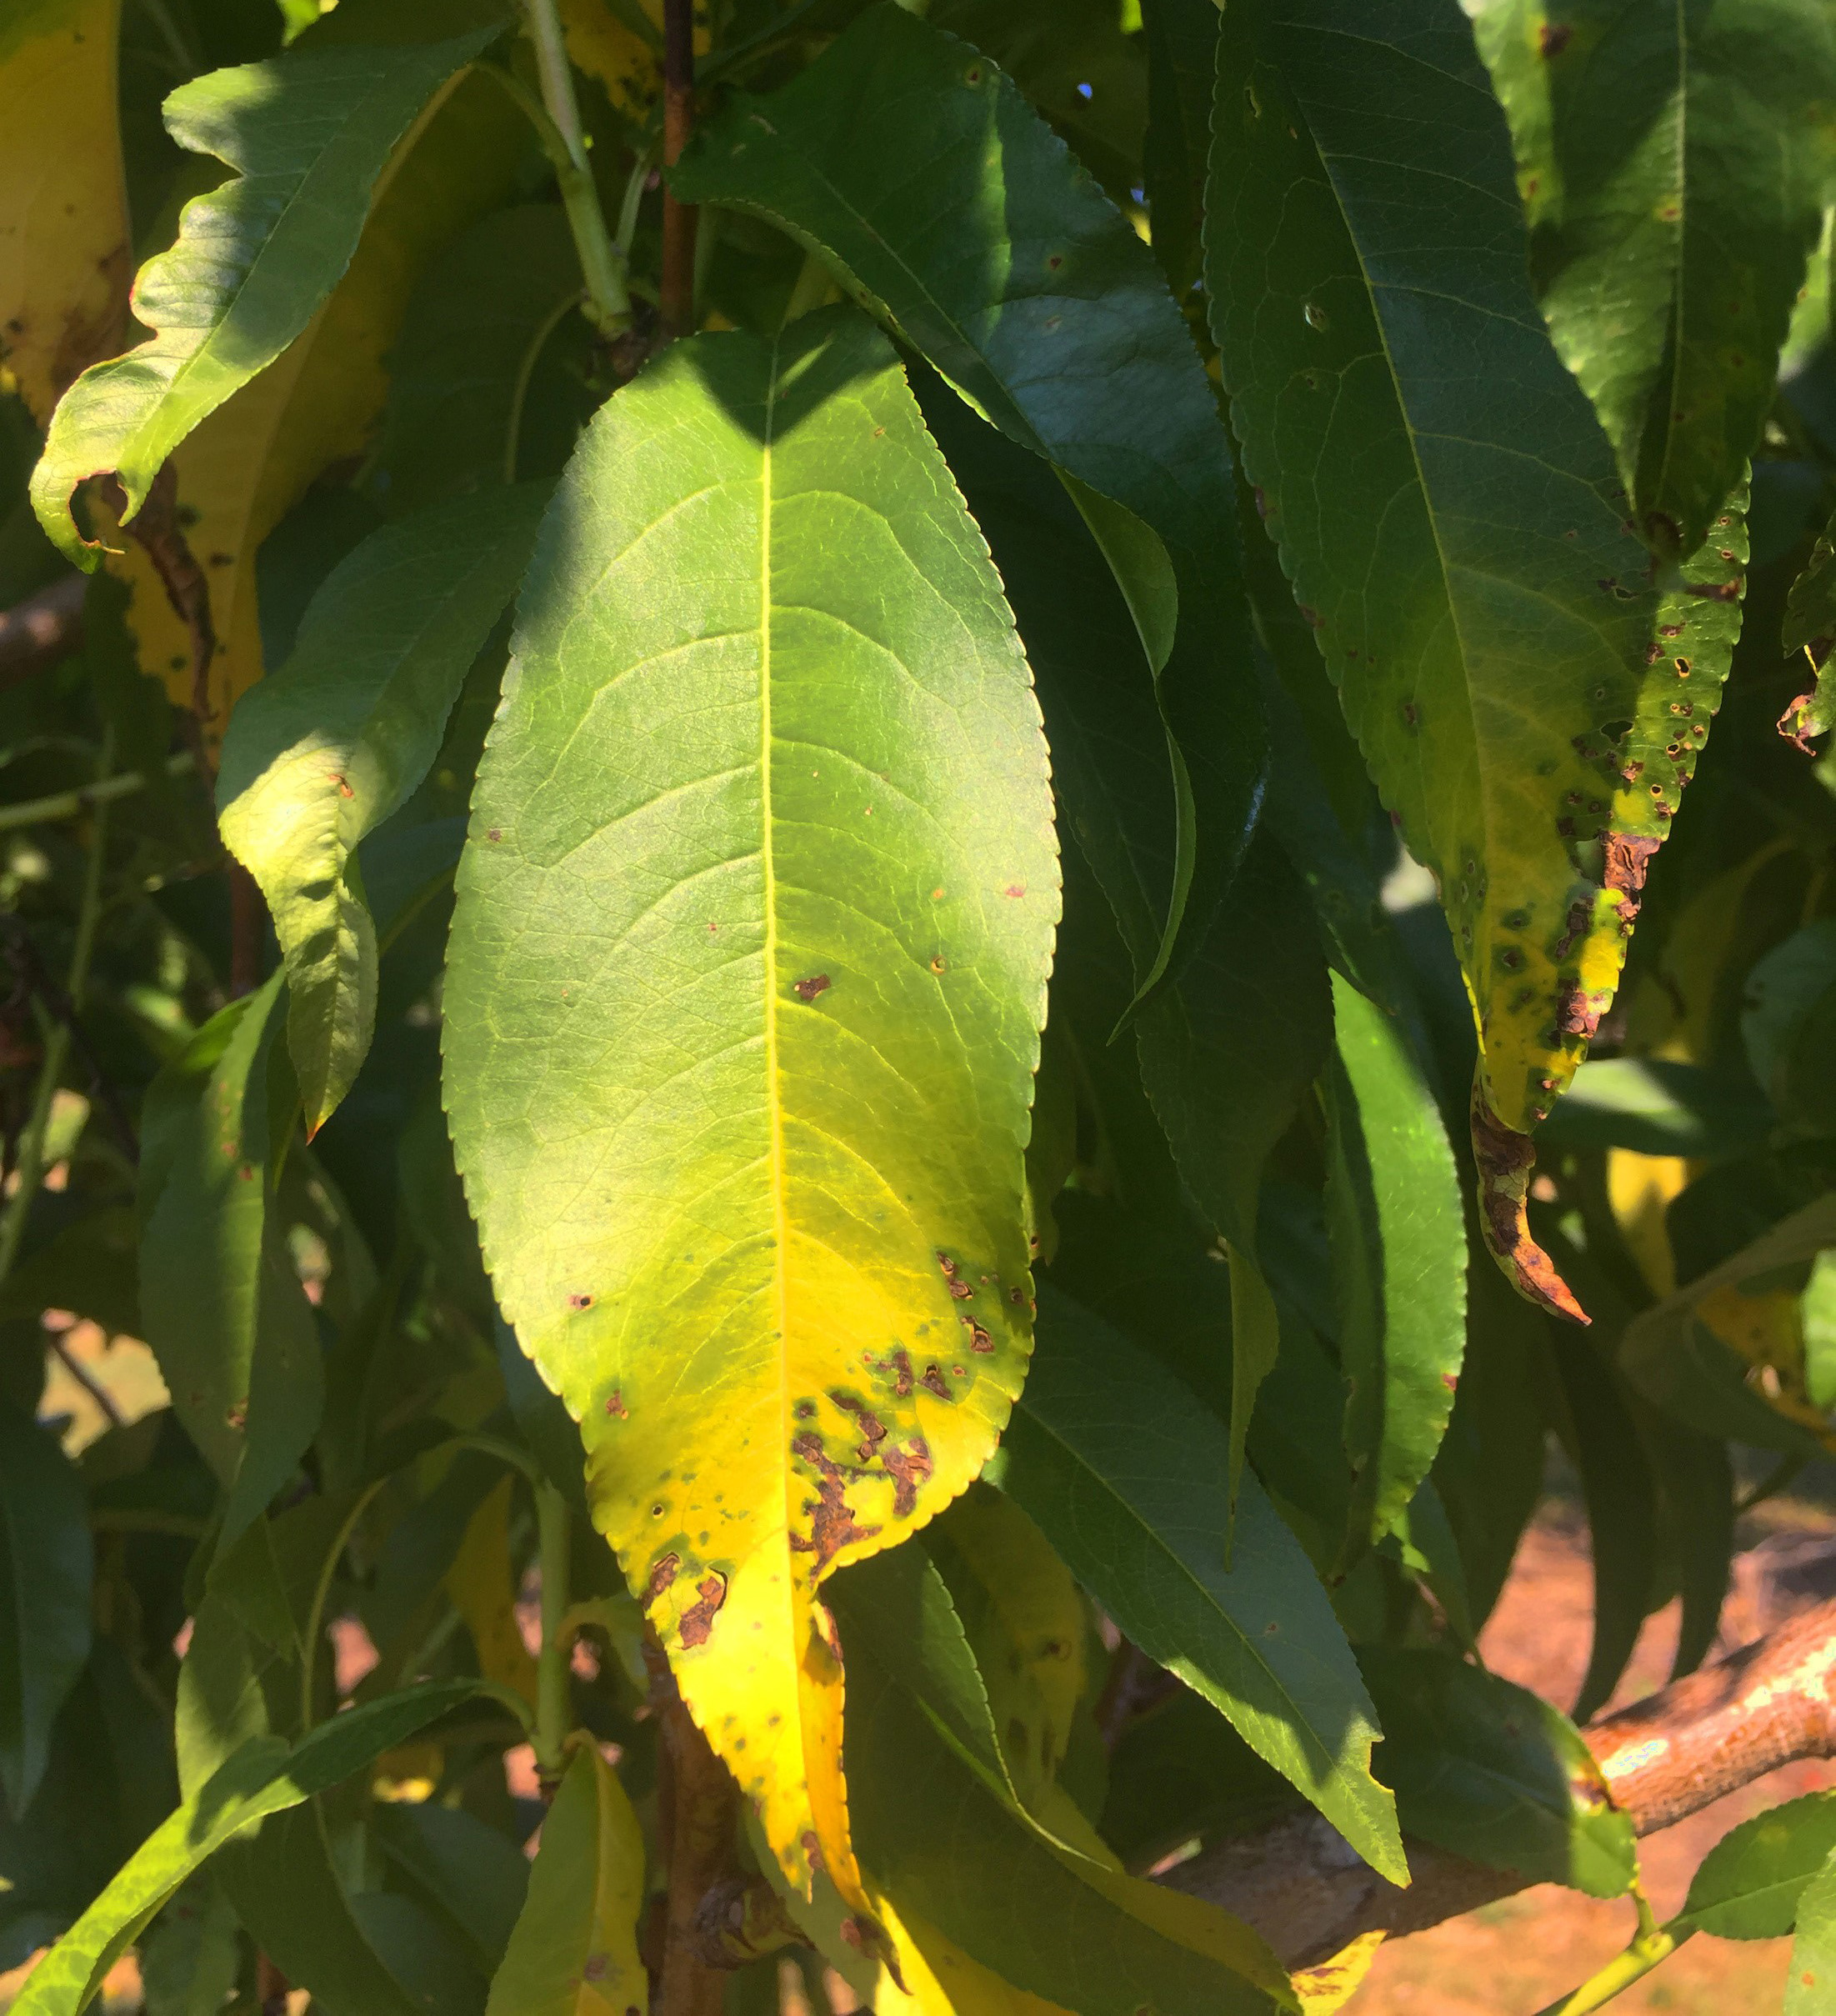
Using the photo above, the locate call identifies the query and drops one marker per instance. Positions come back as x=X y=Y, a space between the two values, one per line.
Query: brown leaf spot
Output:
x=832 y=1521
x=807 y=990
x=580 y=1302
x=698 y=1620
x=615 y=1405
x=934 y=1382
x=907 y=1467
x=872 y=1428
x=661 y=1577
x=1553 y=37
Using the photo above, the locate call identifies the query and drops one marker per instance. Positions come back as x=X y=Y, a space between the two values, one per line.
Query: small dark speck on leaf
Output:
x=807 y=990
x=615 y=1405
x=580 y=1302
x=1554 y=38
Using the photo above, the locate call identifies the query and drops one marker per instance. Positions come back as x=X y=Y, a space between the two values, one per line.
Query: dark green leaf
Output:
x=1182 y=1770
x=1438 y=485
x=1399 y=1242
x=1782 y=991
x=309 y=136
x=1125 y=411
x=1181 y=38
x=1658 y=1106
x=471 y=1873
x=945 y=1846
x=47 y=1563
x=319 y=753
x=1128 y=1476
x=1751 y=1880
x=470 y=343
x=1674 y=162
x=190 y=1961
x=225 y=1312
x=1486 y=1770
x=263 y=1776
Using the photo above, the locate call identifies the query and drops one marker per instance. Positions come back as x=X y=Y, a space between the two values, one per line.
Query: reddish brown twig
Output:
x=676 y=299
x=1770 y=1704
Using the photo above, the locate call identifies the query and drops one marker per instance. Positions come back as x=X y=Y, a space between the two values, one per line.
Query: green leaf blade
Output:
x=1529 y=704
x=1398 y=1237
x=1810 y=1980
x=309 y=136
x=1126 y=1475
x=320 y=753
x=46 y=1566
x=1026 y=288
x=1487 y=1770
x=1674 y=162
x=1750 y=1882
x=747 y=974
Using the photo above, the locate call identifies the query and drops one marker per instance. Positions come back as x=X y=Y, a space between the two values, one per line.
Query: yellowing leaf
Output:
x=1329 y=1986
x=241 y=469
x=742 y=1008
x=942 y=1979
x=64 y=256
x=627 y=64
x=479 y=1583
x=574 y=1949
x=1640 y=1188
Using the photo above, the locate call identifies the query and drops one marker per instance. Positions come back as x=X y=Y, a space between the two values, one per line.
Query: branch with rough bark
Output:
x=1770 y=1704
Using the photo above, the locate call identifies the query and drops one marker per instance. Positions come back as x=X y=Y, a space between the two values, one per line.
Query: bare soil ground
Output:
x=1517 y=1956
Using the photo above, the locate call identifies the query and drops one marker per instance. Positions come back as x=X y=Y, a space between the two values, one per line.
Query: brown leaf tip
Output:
x=1505 y=1158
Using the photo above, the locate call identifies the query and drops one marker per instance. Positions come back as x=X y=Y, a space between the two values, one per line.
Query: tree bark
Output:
x=1309 y=1894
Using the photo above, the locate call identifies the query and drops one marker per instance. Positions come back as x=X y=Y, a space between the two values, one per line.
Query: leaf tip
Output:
x=1505 y=1158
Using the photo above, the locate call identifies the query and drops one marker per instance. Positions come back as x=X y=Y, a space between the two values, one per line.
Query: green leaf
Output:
x=1398 y=1235
x=1810 y=1980
x=289 y=1896
x=190 y=1960
x=224 y=1309
x=1529 y=704
x=1182 y=1770
x=1750 y=1881
x=574 y=1950
x=459 y=414
x=47 y=1563
x=1182 y=39
x=1486 y=1770
x=943 y=1844
x=475 y=1877
x=319 y=753
x=1675 y=163
x=1012 y=257
x=1127 y=1475
x=1810 y=621
x=742 y=1005
x=263 y=1776
x=309 y=137
x=1660 y=1106
x=1782 y=991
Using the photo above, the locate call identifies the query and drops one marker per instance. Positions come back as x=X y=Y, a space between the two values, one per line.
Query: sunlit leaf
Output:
x=1392 y=1203
x=249 y=463
x=1012 y=256
x=741 y=1010
x=1810 y=1979
x=1530 y=705
x=322 y=752
x=574 y=1950
x=64 y=257
x=1127 y=1475
x=308 y=139
x=1751 y=1880
x=1674 y=162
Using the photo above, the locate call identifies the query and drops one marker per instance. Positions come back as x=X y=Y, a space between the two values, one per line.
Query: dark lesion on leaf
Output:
x=698 y=1620
x=831 y=1523
x=807 y=990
